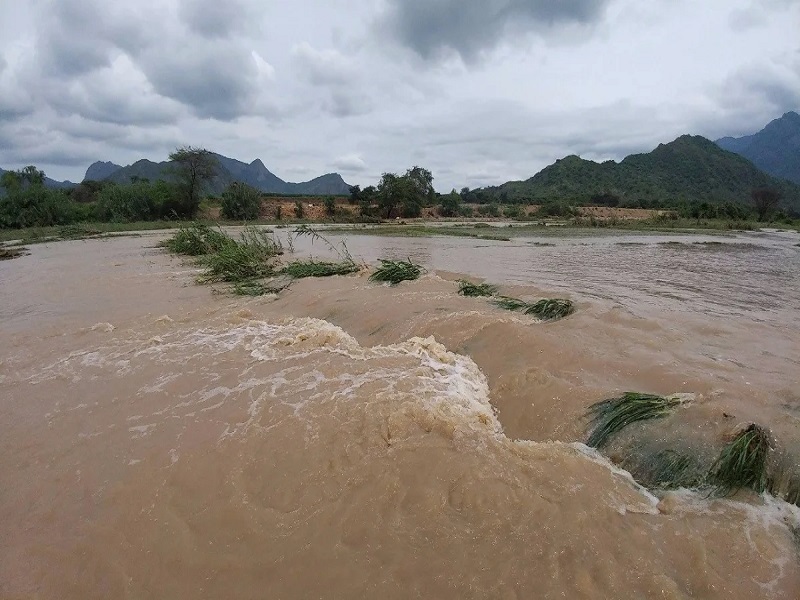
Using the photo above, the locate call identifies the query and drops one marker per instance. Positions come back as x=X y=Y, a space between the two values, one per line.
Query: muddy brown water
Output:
x=348 y=439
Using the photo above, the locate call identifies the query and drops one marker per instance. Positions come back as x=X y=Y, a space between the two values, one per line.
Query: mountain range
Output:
x=689 y=168
x=229 y=170
x=775 y=149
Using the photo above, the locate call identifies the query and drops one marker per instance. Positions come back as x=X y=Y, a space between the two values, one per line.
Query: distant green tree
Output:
x=355 y=194
x=241 y=202
x=450 y=205
x=330 y=206
x=765 y=200
x=405 y=194
x=194 y=168
x=28 y=203
x=299 y=209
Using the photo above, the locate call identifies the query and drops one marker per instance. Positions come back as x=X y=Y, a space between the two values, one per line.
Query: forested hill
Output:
x=690 y=168
x=775 y=149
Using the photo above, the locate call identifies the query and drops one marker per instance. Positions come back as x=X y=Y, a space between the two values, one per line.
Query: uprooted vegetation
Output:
x=312 y=268
x=610 y=416
x=395 y=271
x=546 y=309
x=473 y=290
x=750 y=460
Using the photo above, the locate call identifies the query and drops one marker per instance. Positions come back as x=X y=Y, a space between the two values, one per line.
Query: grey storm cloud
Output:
x=469 y=27
x=213 y=18
x=216 y=78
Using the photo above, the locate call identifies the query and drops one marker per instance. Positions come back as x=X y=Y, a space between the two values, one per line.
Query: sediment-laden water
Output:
x=347 y=439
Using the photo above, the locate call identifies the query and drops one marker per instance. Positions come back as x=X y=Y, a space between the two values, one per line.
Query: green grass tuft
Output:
x=244 y=260
x=197 y=240
x=466 y=288
x=742 y=463
x=395 y=271
x=311 y=268
x=611 y=416
x=550 y=309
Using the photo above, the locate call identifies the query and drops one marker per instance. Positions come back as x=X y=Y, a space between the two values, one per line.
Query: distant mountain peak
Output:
x=775 y=149
x=100 y=170
x=254 y=174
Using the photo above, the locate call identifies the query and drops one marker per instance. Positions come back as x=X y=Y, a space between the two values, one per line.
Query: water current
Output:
x=347 y=439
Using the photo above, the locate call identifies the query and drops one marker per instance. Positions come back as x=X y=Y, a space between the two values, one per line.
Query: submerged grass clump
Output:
x=550 y=309
x=197 y=240
x=611 y=416
x=395 y=271
x=466 y=288
x=547 y=309
x=257 y=288
x=312 y=268
x=742 y=463
x=509 y=303
x=665 y=469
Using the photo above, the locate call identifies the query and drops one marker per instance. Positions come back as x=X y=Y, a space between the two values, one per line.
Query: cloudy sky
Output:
x=478 y=91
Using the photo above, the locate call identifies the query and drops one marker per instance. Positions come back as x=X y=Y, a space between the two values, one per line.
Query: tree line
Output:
x=27 y=202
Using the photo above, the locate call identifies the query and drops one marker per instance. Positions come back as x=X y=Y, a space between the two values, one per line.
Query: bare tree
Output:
x=765 y=200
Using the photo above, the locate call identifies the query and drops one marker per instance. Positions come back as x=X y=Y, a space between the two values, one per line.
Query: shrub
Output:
x=489 y=210
x=330 y=206
x=138 y=201
x=35 y=206
x=241 y=202
x=299 y=209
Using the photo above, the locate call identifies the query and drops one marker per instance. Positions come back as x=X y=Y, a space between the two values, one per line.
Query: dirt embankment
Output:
x=313 y=209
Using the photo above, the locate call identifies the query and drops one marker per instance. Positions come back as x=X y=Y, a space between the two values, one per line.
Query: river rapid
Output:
x=347 y=439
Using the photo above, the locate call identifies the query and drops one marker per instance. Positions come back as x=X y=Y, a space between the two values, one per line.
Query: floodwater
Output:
x=349 y=440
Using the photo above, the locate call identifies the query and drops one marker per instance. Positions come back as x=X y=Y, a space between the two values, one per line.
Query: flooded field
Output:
x=348 y=439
